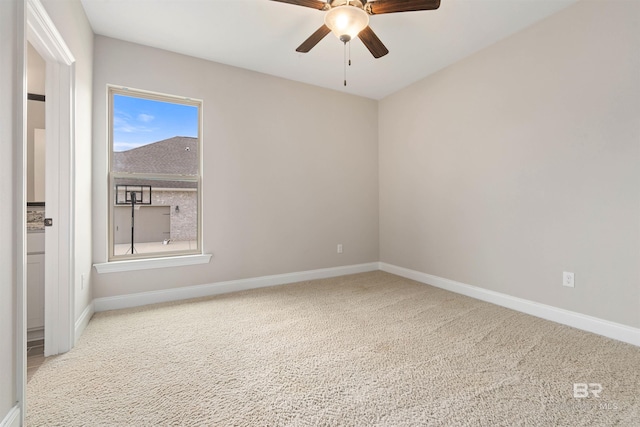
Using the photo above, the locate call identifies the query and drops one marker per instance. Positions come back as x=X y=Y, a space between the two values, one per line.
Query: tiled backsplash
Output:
x=35 y=218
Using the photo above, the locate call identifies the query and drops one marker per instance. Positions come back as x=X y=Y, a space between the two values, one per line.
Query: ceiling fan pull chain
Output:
x=349 y=53
x=344 y=63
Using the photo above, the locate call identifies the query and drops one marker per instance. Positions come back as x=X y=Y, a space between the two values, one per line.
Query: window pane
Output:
x=154 y=137
x=164 y=217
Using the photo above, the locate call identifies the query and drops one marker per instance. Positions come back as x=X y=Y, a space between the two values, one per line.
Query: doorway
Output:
x=58 y=193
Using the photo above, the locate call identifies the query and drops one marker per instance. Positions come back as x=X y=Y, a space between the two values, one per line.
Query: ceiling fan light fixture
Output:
x=346 y=20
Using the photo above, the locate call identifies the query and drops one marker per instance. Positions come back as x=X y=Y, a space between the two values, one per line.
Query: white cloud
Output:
x=122 y=123
x=146 y=118
x=121 y=113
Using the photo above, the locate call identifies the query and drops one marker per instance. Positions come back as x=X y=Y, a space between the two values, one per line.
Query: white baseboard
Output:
x=35 y=334
x=12 y=419
x=176 y=294
x=83 y=321
x=598 y=326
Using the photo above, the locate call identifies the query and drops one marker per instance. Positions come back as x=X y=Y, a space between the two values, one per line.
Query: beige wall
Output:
x=290 y=170
x=70 y=20
x=36 y=71
x=35 y=112
x=11 y=185
x=35 y=120
x=521 y=162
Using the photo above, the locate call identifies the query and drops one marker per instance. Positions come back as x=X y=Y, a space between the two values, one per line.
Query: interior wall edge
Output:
x=12 y=419
x=83 y=321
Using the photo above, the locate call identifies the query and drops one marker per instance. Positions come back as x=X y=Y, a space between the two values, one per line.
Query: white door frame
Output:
x=59 y=192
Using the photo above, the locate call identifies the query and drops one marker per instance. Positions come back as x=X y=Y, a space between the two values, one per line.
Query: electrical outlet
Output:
x=568 y=279
x=340 y=248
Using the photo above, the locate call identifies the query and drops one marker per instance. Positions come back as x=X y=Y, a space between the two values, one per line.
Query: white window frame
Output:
x=164 y=258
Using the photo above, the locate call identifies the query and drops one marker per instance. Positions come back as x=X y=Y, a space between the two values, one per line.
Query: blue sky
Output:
x=139 y=121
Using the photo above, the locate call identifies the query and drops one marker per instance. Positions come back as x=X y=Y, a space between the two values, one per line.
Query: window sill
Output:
x=147 y=264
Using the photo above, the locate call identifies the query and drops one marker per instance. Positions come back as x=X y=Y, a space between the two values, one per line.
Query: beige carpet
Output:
x=359 y=350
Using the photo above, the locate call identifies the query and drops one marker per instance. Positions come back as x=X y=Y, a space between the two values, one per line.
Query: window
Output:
x=154 y=175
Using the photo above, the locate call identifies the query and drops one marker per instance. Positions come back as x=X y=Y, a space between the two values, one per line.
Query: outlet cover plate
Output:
x=568 y=279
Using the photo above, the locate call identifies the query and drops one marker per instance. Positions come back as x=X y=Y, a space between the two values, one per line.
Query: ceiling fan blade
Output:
x=314 y=4
x=392 y=6
x=313 y=39
x=373 y=43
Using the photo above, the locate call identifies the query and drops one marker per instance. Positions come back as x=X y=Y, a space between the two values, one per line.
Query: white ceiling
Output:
x=262 y=35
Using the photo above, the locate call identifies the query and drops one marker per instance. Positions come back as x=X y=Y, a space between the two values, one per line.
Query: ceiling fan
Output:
x=349 y=19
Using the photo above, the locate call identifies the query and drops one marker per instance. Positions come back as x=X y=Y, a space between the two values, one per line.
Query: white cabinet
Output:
x=35 y=281
x=35 y=291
